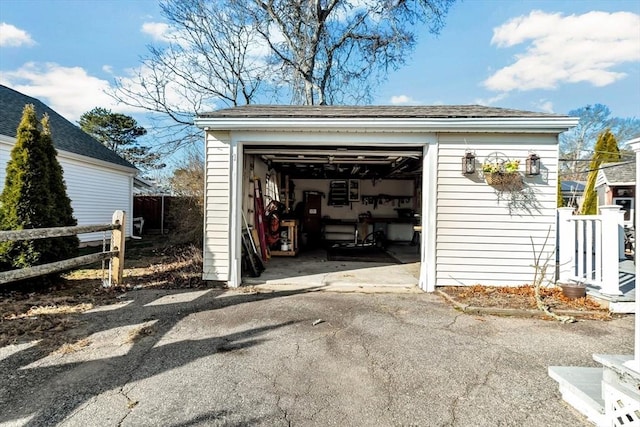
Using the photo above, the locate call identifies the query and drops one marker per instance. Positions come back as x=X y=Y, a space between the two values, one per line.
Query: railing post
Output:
x=611 y=223
x=117 y=244
x=566 y=245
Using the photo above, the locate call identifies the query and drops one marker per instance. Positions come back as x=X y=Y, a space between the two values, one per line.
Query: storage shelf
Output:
x=292 y=236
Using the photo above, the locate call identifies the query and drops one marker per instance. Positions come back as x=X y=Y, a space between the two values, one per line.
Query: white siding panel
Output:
x=476 y=249
x=216 y=261
x=95 y=193
x=5 y=151
x=490 y=233
x=480 y=238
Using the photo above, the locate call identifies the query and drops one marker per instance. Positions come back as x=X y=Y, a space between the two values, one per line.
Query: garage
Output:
x=356 y=185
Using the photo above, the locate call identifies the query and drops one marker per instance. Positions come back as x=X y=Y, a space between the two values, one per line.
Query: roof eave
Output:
x=71 y=155
x=620 y=184
x=528 y=124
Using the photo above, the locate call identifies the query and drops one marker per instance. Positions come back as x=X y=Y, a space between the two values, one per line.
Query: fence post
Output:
x=612 y=220
x=566 y=245
x=117 y=244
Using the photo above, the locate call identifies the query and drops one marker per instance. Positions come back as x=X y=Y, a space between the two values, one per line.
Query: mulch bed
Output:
x=521 y=298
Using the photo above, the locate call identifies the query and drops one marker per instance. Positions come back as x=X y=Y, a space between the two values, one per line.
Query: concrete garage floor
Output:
x=312 y=270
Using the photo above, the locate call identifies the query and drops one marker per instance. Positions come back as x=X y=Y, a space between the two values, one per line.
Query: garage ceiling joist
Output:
x=340 y=162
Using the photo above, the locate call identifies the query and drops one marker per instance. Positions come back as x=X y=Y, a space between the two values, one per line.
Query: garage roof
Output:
x=371 y=111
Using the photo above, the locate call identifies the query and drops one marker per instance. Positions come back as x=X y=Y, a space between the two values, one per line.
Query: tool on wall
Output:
x=259 y=219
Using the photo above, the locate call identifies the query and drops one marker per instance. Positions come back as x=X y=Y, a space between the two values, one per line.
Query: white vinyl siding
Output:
x=5 y=151
x=479 y=240
x=217 y=213
x=95 y=191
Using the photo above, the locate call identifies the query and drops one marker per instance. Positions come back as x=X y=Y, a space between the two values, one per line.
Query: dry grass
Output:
x=139 y=333
x=45 y=314
x=49 y=310
x=67 y=348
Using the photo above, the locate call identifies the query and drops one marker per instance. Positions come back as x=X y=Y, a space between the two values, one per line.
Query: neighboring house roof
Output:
x=371 y=111
x=66 y=136
x=572 y=187
x=621 y=173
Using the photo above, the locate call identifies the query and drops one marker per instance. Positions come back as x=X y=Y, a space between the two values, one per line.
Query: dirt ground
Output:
x=153 y=262
x=29 y=313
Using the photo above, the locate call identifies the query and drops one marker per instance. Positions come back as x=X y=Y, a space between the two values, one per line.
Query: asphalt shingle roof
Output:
x=66 y=135
x=615 y=173
x=371 y=111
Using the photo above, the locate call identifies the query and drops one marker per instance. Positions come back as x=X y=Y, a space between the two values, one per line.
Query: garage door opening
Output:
x=333 y=214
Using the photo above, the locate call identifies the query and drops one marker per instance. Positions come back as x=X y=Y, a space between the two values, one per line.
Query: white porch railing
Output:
x=590 y=248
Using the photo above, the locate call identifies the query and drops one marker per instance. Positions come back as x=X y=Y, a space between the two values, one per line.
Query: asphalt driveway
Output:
x=176 y=358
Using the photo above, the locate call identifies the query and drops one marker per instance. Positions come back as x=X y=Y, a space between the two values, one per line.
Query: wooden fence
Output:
x=115 y=252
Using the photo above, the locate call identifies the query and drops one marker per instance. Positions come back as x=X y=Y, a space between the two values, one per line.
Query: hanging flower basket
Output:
x=504 y=180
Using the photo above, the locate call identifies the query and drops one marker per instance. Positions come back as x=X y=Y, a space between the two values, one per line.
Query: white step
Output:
x=581 y=388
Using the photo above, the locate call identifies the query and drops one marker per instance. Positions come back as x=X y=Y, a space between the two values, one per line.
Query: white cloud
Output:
x=107 y=69
x=544 y=105
x=70 y=91
x=566 y=49
x=11 y=36
x=159 y=31
x=492 y=100
x=403 y=100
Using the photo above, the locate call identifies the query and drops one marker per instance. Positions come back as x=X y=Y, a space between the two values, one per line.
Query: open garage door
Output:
x=357 y=204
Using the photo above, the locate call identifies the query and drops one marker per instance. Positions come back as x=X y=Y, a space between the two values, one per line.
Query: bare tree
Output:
x=232 y=52
x=331 y=51
x=207 y=59
x=577 y=145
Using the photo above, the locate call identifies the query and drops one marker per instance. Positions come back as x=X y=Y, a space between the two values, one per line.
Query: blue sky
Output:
x=551 y=56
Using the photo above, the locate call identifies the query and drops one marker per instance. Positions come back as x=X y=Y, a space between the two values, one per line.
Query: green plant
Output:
x=34 y=196
x=606 y=150
x=501 y=166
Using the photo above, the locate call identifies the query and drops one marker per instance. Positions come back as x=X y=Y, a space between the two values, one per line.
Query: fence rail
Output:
x=115 y=253
x=43 y=233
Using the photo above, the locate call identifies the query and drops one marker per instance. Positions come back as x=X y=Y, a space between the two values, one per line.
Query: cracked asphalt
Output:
x=216 y=358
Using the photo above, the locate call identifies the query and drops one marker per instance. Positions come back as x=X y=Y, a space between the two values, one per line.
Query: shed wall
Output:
x=217 y=208
x=481 y=237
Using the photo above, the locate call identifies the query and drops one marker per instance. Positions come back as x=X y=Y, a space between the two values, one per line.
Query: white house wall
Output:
x=478 y=239
x=95 y=191
x=5 y=151
x=216 y=265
